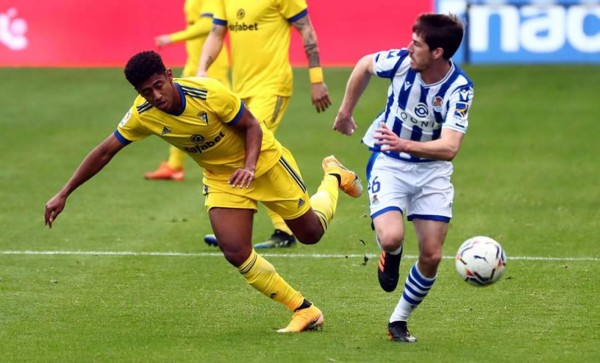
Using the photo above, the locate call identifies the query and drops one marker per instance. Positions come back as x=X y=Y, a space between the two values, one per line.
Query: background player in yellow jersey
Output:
x=198 y=15
x=260 y=34
x=242 y=164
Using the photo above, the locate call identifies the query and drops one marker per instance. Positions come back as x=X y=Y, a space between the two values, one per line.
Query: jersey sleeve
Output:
x=293 y=10
x=459 y=104
x=130 y=129
x=200 y=28
x=218 y=11
x=386 y=63
x=224 y=103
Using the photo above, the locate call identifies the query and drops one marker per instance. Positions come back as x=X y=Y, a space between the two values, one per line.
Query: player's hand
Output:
x=53 y=209
x=162 y=40
x=319 y=96
x=344 y=124
x=201 y=74
x=242 y=178
x=387 y=139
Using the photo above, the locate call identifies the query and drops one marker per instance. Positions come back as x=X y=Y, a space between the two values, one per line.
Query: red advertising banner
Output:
x=75 y=33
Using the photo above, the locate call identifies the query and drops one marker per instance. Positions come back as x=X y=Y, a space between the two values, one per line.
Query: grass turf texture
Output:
x=526 y=176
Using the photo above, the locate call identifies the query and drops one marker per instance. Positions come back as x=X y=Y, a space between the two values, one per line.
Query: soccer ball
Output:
x=480 y=261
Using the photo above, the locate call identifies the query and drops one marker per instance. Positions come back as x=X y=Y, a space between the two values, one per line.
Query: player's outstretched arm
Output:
x=90 y=166
x=357 y=83
x=211 y=48
x=162 y=40
x=251 y=128
x=318 y=90
x=200 y=28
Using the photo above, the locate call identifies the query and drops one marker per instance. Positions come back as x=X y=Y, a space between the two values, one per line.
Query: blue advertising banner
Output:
x=519 y=31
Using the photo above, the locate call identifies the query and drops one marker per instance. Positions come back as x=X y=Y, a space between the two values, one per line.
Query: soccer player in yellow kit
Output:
x=242 y=164
x=198 y=15
x=260 y=33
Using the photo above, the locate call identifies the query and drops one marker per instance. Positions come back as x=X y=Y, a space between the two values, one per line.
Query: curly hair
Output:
x=142 y=66
x=440 y=31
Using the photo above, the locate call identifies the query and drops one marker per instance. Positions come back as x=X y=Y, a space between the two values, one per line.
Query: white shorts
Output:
x=418 y=190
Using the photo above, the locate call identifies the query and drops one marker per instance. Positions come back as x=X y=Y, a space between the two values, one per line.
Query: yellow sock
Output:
x=259 y=273
x=324 y=201
x=176 y=157
x=278 y=222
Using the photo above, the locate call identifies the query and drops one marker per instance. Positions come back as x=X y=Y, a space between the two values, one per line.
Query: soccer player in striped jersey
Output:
x=242 y=163
x=198 y=15
x=260 y=33
x=413 y=142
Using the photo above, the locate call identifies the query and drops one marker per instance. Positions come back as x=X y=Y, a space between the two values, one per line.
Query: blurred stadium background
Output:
x=66 y=33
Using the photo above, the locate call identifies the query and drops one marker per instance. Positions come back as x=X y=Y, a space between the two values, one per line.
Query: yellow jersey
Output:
x=202 y=128
x=199 y=15
x=260 y=34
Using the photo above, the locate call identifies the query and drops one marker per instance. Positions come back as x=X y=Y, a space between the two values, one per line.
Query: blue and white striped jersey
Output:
x=418 y=111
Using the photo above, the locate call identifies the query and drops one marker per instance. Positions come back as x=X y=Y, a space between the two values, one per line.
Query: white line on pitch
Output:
x=294 y=255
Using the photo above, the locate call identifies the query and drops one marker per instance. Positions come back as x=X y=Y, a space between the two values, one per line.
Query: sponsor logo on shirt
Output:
x=240 y=27
x=197 y=139
x=201 y=144
x=421 y=110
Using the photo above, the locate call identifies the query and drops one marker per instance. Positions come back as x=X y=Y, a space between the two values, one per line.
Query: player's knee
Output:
x=390 y=241
x=236 y=256
x=310 y=236
x=430 y=258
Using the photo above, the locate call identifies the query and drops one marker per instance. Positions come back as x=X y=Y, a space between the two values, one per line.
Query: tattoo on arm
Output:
x=312 y=54
x=209 y=61
x=309 y=39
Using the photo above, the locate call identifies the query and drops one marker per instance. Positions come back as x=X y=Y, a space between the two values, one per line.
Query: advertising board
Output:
x=68 y=33
x=518 y=31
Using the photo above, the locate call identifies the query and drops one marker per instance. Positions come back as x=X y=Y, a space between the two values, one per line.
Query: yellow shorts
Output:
x=281 y=189
x=268 y=109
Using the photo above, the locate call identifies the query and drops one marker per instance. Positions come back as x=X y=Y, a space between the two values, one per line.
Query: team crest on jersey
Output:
x=125 y=119
x=203 y=116
x=241 y=14
x=301 y=202
x=421 y=110
x=165 y=130
x=437 y=103
x=197 y=139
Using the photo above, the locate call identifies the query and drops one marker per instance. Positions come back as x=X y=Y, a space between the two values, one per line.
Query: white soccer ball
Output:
x=480 y=261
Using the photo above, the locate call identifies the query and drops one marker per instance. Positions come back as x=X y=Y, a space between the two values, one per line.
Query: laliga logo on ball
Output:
x=12 y=30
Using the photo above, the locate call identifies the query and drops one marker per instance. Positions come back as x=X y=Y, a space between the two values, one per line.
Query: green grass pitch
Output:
x=527 y=175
